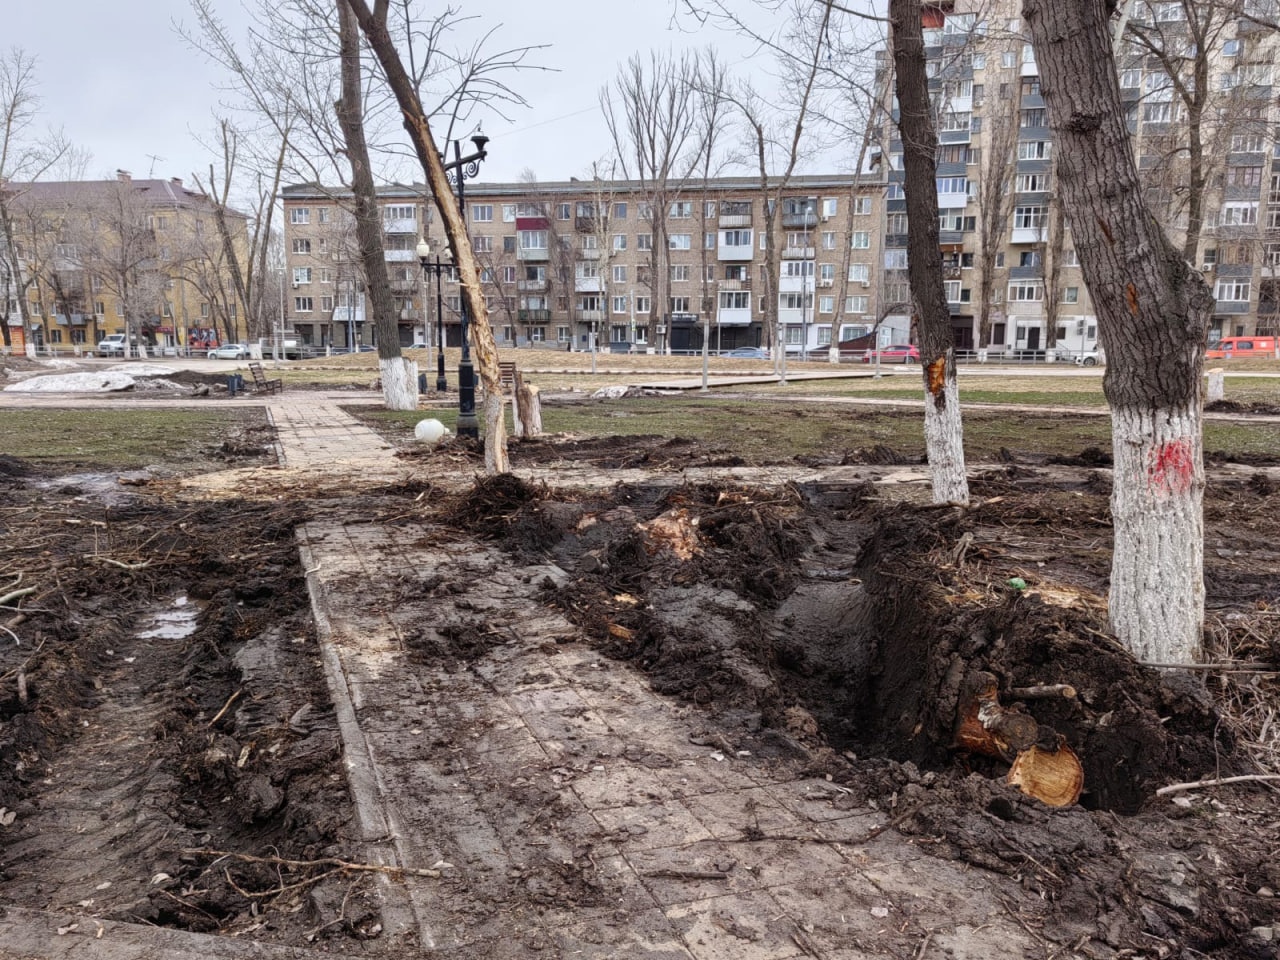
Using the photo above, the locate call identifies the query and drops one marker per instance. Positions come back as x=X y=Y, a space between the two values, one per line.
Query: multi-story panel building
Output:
x=81 y=259
x=1003 y=230
x=565 y=262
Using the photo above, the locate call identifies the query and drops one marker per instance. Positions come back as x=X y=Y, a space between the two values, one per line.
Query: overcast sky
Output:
x=121 y=83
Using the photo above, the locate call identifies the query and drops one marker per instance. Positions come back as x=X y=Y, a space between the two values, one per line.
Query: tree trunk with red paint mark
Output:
x=1153 y=317
x=943 y=430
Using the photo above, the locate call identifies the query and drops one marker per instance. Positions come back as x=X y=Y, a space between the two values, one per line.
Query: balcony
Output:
x=400 y=225
x=1029 y=272
x=585 y=224
x=410 y=314
x=404 y=285
x=735 y=284
x=726 y=317
x=533 y=316
x=585 y=254
x=1232 y=307
x=731 y=220
x=808 y=219
x=588 y=284
x=592 y=316
x=798 y=253
x=733 y=252
x=1029 y=235
x=531 y=286
x=400 y=256
x=535 y=254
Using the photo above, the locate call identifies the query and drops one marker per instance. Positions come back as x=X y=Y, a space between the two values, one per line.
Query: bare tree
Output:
x=1153 y=316
x=944 y=436
x=652 y=119
x=25 y=155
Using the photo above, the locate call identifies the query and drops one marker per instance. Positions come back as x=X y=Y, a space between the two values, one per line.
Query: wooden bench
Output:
x=508 y=375
x=261 y=384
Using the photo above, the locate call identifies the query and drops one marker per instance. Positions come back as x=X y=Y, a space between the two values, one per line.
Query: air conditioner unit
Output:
x=825 y=283
x=865 y=284
x=1206 y=267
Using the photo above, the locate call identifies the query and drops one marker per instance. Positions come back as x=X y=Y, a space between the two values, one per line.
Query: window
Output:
x=680 y=241
x=1130 y=79
x=862 y=207
x=508 y=274
x=1026 y=292
x=679 y=272
x=830 y=206
x=1071 y=295
x=1250 y=176
x=1158 y=86
x=620 y=211
x=643 y=305
x=952 y=288
x=302 y=246
x=795 y=301
x=508 y=244
x=398 y=211
x=1247 y=143
x=323 y=214
x=827 y=274
x=619 y=241
x=859 y=272
x=1032 y=183
x=955 y=121
x=619 y=305
x=1161 y=112
x=860 y=240
x=953 y=185
x=300 y=215
x=1034 y=117
x=532 y=239
x=1238 y=215
x=563 y=211
x=1028 y=218
x=1008 y=59
x=895 y=259
x=482 y=244
x=709 y=241
x=301 y=275
x=482 y=213
x=1070 y=258
x=679 y=304
x=735 y=238
x=826 y=304
x=302 y=304
x=859 y=304
x=681 y=210
x=326 y=304
x=797 y=268
x=799 y=241
x=619 y=273
x=1233 y=289
x=735 y=300
x=1030 y=258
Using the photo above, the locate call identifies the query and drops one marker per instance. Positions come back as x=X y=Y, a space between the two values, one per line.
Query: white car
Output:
x=229 y=351
x=1091 y=358
x=112 y=345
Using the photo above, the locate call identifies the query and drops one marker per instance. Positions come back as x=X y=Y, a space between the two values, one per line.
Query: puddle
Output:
x=107 y=488
x=174 y=621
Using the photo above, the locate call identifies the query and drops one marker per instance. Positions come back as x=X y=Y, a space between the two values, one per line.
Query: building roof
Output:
x=160 y=193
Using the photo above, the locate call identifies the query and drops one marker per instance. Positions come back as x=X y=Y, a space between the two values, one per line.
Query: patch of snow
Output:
x=143 y=369
x=157 y=383
x=59 y=362
x=92 y=382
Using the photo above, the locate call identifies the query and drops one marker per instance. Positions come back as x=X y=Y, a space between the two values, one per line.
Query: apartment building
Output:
x=1012 y=273
x=565 y=262
x=82 y=259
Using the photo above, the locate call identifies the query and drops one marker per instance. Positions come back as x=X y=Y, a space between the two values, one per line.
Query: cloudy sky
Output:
x=121 y=83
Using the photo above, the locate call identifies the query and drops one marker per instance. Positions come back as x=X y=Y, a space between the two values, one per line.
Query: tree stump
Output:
x=528 y=410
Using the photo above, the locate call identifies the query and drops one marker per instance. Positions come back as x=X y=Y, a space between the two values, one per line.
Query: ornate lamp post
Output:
x=436 y=266
x=460 y=168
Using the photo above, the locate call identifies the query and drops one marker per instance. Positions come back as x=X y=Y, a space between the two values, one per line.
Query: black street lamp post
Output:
x=462 y=167
x=437 y=267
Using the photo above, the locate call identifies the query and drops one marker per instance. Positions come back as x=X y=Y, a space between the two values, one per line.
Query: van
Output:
x=112 y=345
x=1229 y=347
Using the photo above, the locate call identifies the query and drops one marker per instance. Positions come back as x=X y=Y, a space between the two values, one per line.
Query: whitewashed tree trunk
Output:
x=495 y=424
x=1157 y=497
x=1153 y=312
x=399 y=382
x=944 y=439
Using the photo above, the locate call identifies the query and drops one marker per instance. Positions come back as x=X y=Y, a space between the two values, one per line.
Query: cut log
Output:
x=528 y=410
x=1054 y=777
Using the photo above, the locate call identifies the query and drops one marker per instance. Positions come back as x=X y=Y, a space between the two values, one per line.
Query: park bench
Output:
x=508 y=376
x=261 y=384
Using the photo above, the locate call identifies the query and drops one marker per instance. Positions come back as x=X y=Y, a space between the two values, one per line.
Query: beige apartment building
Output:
x=567 y=261
x=1000 y=216
x=86 y=258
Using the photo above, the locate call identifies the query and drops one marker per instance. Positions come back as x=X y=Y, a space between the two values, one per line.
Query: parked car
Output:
x=1229 y=347
x=112 y=345
x=229 y=351
x=747 y=353
x=1091 y=358
x=894 y=353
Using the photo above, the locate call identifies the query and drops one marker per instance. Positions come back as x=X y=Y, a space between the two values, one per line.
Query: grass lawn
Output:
x=119 y=439
x=778 y=431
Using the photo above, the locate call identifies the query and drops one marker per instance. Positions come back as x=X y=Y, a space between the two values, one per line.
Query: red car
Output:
x=894 y=353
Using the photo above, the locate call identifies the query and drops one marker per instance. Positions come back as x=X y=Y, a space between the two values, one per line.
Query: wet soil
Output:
x=161 y=776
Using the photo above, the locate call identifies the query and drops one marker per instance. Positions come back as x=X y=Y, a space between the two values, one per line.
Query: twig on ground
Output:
x=119 y=563
x=1216 y=782
x=225 y=707
x=323 y=862
x=1044 y=691
x=1227 y=667
x=687 y=874
x=15 y=594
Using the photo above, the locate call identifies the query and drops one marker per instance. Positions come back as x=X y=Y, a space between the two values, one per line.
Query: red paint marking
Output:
x=1171 y=467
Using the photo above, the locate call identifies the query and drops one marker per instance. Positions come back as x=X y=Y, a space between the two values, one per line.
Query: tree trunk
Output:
x=528 y=410
x=369 y=221
x=1153 y=316
x=374 y=26
x=943 y=431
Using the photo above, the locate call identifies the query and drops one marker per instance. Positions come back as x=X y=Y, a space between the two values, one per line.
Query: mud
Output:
x=824 y=624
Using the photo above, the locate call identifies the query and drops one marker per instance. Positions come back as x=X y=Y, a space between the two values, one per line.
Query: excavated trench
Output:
x=825 y=621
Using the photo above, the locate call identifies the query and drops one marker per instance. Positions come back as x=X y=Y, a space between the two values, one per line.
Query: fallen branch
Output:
x=1043 y=691
x=120 y=563
x=15 y=594
x=687 y=874
x=323 y=862
x=1227 y=667
x=225 y=707
x=1216 y=782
